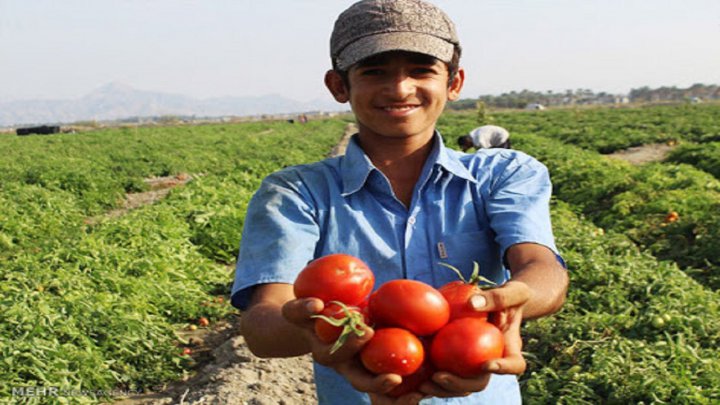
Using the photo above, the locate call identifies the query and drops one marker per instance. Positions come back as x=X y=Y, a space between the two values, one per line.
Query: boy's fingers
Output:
x=512 y=361
x=299 y=311
x=363 y=380
x=510 y=364
x=511 y=294
x=450 y=385
x=321 y=352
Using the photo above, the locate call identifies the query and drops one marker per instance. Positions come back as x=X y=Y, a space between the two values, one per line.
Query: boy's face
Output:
x=397 y=94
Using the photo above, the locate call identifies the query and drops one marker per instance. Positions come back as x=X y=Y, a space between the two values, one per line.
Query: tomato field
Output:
x=94 y=301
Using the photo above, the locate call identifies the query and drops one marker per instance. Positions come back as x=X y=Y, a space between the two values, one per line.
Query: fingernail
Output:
x=478 y=302
x=493 y=367
x=310 y=305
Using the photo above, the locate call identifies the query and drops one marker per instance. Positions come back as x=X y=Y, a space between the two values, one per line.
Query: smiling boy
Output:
x=403 y=203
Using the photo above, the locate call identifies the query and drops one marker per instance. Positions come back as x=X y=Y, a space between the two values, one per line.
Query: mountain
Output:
x=117 y=101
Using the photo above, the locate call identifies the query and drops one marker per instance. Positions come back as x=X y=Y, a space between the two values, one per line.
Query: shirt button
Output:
x=411 y=220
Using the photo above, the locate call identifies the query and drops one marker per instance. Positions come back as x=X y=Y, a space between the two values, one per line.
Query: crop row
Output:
x=634 y=329
x=95 y=304
x=604 y=130
x=638 y=201
x=704 y=156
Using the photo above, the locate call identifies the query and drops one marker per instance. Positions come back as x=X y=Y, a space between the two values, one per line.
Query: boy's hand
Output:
x=344 y=360
x=505 y=307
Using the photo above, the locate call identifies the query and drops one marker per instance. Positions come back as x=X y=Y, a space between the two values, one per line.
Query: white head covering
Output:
x=489 y=136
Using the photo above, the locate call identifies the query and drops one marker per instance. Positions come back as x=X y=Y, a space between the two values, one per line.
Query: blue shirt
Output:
x=465 y=208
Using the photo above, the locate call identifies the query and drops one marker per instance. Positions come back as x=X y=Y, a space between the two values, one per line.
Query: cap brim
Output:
x=395 y=41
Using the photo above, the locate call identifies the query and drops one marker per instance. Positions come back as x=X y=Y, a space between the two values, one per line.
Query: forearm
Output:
x=268 y=334
x=548 y=288
x=537 y=267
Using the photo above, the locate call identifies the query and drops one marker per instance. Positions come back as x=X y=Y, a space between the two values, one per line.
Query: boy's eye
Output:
x=371 y=72
x=424 y=70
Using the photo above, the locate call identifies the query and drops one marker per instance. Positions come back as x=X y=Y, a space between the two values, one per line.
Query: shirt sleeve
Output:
x=279 y=235
x=518 y=204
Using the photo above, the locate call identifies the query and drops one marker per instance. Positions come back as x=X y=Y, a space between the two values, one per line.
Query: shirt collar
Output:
x=356 y=165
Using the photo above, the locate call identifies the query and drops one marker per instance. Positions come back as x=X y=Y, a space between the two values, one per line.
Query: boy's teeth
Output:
x=406 y=107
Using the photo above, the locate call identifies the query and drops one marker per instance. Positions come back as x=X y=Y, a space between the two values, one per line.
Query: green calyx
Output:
x=475 y=277
x=352 y=323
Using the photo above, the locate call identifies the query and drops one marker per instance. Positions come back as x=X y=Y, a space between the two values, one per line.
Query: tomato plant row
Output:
x=92 y=301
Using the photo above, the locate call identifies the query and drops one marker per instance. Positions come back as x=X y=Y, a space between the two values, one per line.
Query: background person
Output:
x=485 y=137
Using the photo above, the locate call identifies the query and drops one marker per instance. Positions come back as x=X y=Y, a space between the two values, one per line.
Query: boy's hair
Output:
x=372 y=27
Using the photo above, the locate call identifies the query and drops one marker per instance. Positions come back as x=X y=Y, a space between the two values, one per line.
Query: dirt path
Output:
x=230 y=374
x=643 y=154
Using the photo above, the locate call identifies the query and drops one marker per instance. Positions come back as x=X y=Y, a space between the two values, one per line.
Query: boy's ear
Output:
x=456 y=85
x=336 y=85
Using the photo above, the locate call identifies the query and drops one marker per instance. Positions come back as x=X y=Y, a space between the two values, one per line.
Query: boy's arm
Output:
x=538 y=268
x=266 y=332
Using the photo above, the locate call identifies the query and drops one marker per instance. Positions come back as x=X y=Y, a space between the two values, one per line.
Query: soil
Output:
x=226 y=371
x=643 y=154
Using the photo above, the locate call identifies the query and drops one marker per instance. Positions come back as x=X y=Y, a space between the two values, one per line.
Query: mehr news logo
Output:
x=57 y=392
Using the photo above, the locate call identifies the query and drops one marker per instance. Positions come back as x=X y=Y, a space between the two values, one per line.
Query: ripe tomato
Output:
x=409 y=304
x=463 y=345
x=458 y=293
x=336 y=277
x=393 y=350
x=337 y=321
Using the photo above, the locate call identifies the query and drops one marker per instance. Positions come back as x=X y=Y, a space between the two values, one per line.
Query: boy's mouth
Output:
x=400 y=109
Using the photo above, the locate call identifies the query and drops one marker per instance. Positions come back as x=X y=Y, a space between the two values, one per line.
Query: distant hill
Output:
x=117 y=101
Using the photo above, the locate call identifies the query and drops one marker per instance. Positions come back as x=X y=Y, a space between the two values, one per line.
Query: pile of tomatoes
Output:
x=418 y=329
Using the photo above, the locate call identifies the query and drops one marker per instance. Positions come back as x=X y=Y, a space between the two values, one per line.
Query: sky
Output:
x=52 y=49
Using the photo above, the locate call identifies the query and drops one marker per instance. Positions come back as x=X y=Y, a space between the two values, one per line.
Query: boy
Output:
x=402 y=202
x=485 y=137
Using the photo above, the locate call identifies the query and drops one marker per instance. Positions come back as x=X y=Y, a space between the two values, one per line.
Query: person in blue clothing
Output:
x=403 y=202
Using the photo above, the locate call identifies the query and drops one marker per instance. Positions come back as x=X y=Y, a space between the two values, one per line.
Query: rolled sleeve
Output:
x=279 y=236
x=518 y=204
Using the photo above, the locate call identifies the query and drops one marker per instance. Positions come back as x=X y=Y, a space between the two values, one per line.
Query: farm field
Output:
x=93 y=294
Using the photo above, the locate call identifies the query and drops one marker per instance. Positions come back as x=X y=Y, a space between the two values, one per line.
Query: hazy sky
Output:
x=57 y=49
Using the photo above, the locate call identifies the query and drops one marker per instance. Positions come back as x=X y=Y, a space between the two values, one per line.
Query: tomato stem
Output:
x=475 y=277
x=352 y=323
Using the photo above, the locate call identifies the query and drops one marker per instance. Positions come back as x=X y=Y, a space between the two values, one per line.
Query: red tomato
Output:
x=336 y=277
x=409 y=304
x=457 y=294
x=463 y=345
x=393 y=350
x=413 y=381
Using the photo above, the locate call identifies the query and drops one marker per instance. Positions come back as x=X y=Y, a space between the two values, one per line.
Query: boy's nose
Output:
x=401 y=85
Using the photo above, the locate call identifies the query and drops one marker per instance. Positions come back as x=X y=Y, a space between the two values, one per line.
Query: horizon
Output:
x=225 y=48
x=117 y=84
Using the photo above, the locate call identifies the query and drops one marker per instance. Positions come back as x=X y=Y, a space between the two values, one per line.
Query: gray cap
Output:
x=370 y=27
